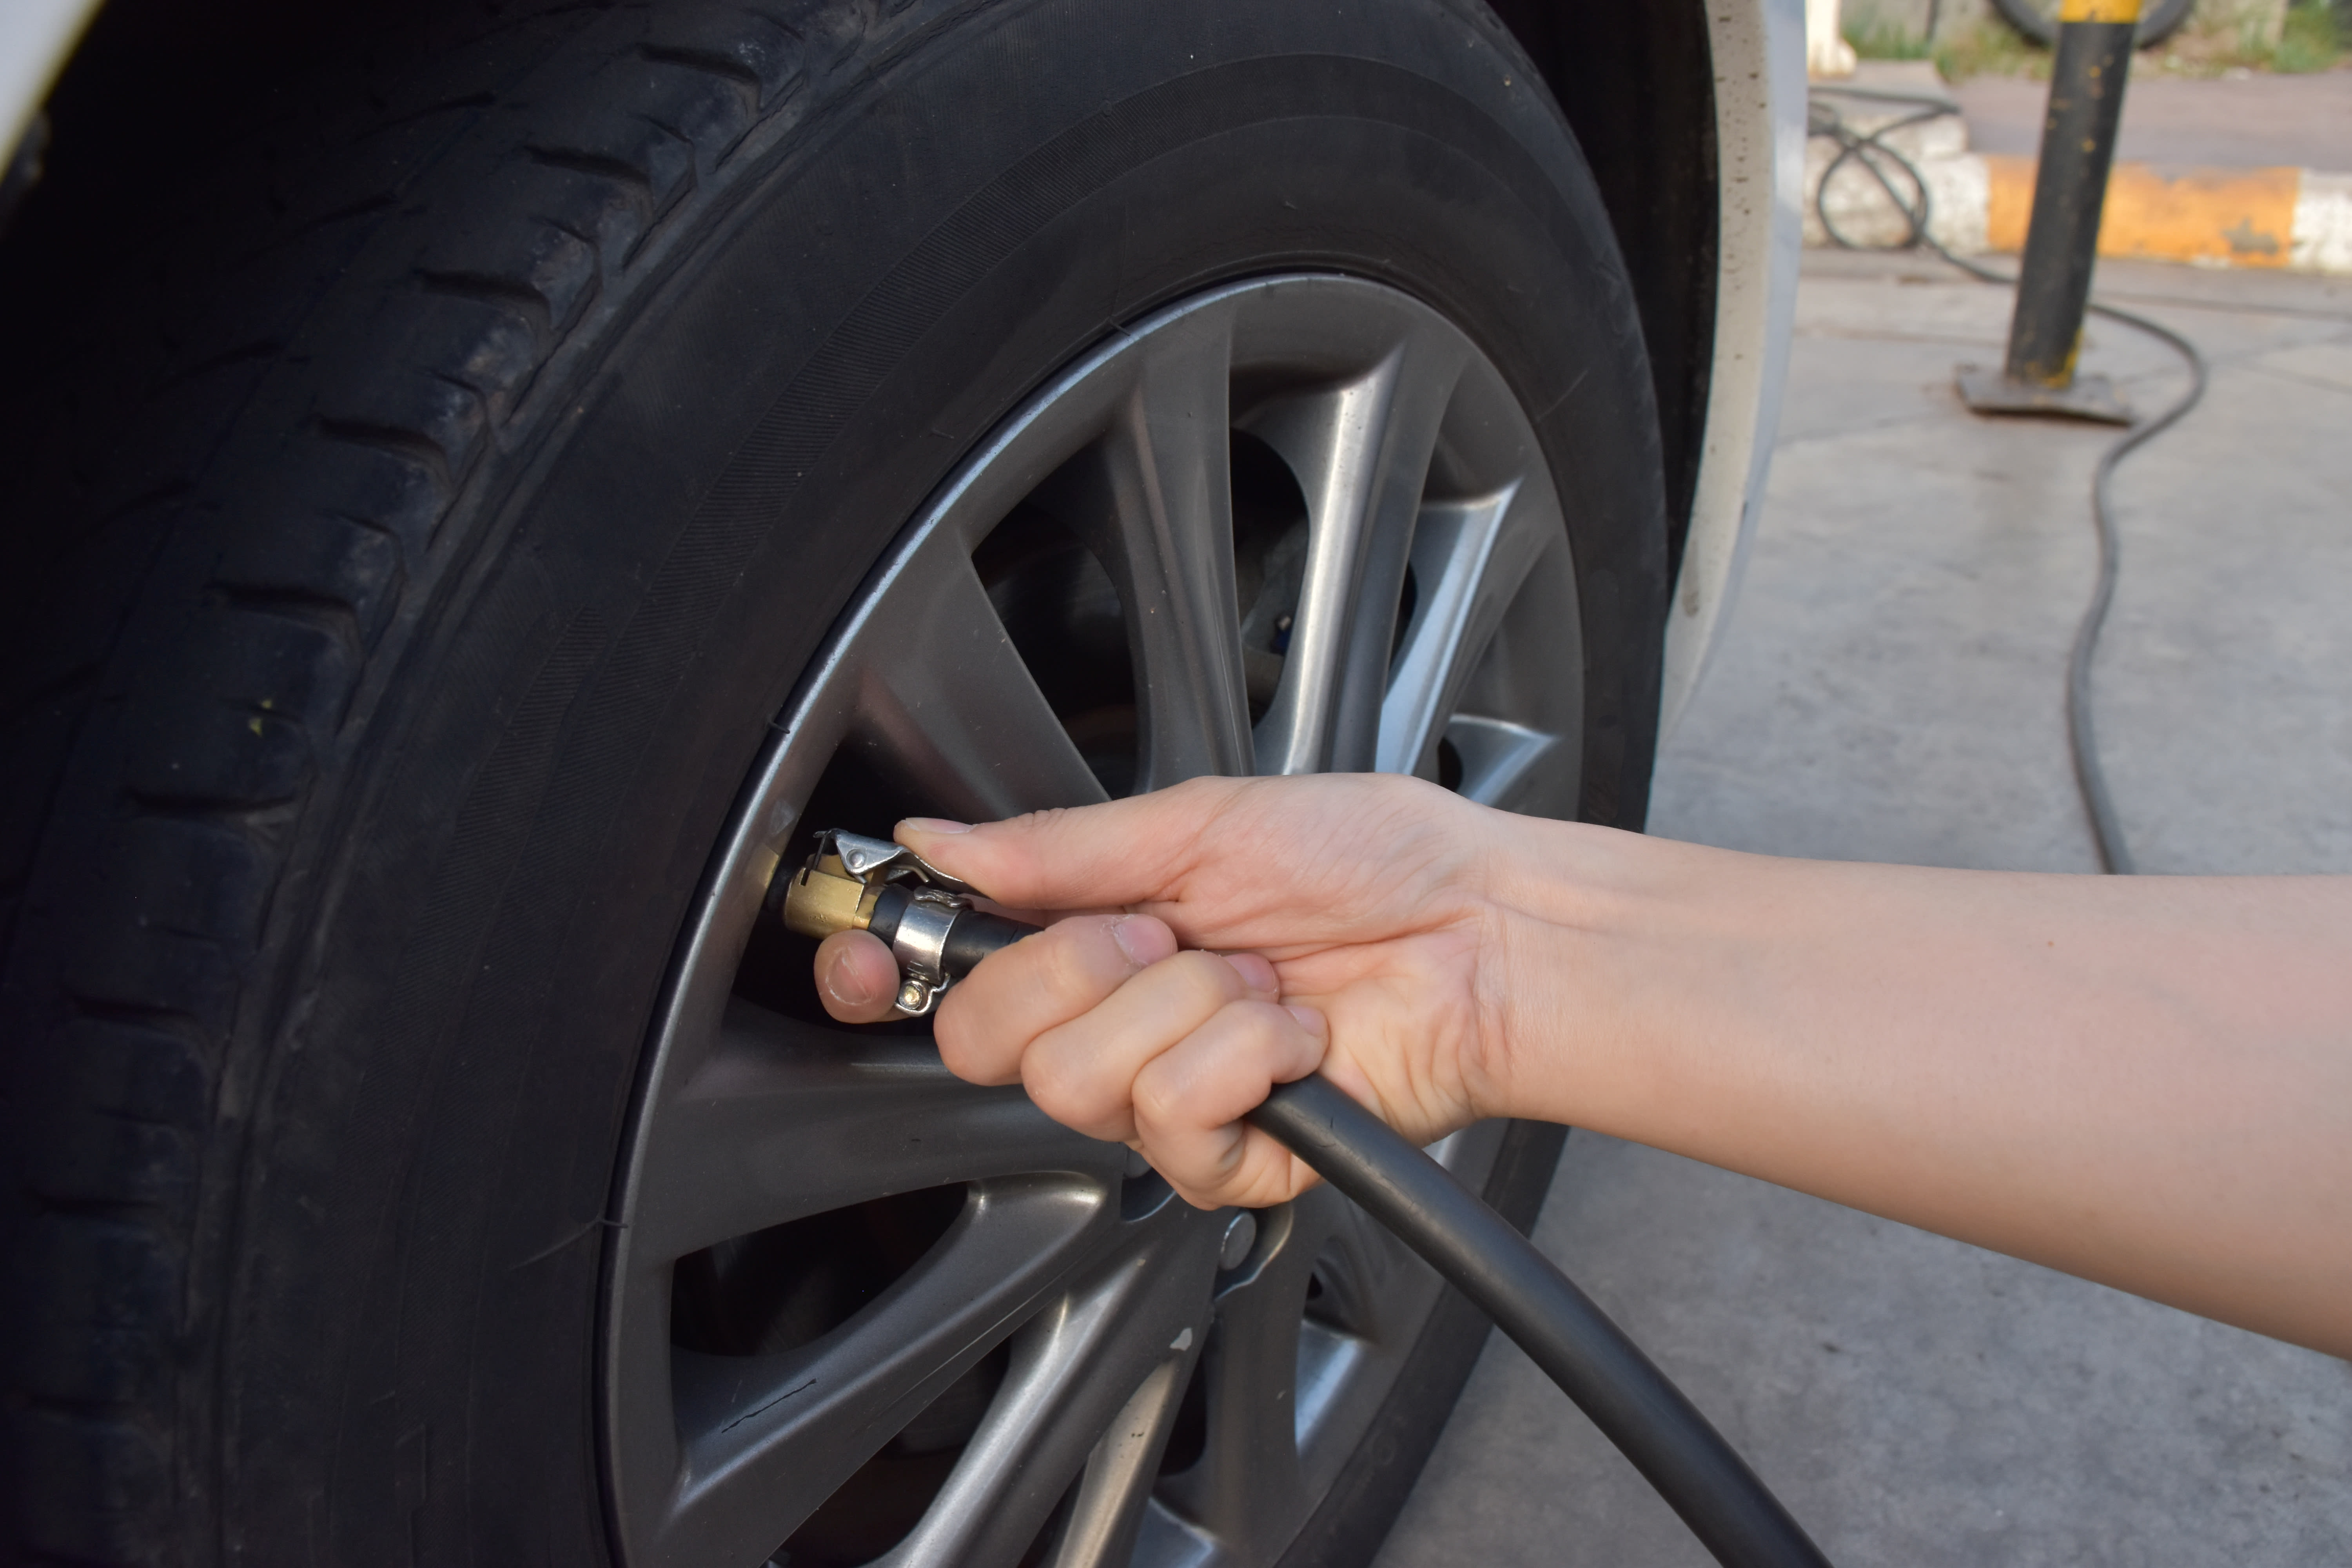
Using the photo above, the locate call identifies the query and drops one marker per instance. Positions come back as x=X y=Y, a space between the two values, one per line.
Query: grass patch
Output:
x=1989 y=47
x=2317 y=37
x=1876 y=39
x=2314 y=39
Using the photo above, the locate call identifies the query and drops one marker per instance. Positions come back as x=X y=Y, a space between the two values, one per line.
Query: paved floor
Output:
x=1890 y=689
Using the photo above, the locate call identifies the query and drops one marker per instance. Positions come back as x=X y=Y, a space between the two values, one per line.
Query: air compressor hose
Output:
x=938 y=934
x=1479 y=1253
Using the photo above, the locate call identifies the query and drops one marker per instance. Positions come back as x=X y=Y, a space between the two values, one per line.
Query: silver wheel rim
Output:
x=1064 y=1334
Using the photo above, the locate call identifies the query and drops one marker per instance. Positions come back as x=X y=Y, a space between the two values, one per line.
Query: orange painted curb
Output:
x=2237 y=217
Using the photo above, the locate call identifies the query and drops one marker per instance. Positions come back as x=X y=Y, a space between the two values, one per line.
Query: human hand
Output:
x=1256 y=939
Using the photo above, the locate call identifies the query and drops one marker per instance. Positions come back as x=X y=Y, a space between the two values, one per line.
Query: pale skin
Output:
x=2145 y=1081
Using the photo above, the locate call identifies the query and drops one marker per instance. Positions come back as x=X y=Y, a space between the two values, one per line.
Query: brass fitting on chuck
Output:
x=927 y=917
x=824 y=897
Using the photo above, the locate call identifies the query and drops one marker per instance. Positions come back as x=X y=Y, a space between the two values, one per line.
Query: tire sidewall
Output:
x=410 y=1362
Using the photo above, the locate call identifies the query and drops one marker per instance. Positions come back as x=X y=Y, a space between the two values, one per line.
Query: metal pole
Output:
x=2091 y=64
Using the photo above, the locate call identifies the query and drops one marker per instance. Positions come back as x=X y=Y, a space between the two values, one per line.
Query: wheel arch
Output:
x=1636 y=83
x=1692 y=116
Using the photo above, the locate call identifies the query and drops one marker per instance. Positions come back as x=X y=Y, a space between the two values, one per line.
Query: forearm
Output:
x=2146 y=1082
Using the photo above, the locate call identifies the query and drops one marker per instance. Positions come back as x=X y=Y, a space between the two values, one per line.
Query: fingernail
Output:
x=1257 y=972
x=940 y=825
x=1143 y=945
x=848 y=986
x=1310 y=1019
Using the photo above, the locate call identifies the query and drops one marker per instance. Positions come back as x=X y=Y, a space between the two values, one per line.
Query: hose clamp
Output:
x=919 y=945
x=840 y=888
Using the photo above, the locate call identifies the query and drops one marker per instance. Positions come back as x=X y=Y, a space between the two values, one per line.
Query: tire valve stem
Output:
x=926 y=917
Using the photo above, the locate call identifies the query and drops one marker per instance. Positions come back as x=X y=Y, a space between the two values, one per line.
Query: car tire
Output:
x=416 y=583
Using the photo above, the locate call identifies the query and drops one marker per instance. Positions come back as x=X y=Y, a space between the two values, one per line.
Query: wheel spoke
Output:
x=1469 y=558
x=784 y=1120
x=1369 y=1278
x=831 y=1259
x=1157 y=509
x=1108 y=1513
x=764 y=1439
x=1074 y=1366
x=1500 y=760
x=1246 y=1489
x=1360 y=452
x=944 y=701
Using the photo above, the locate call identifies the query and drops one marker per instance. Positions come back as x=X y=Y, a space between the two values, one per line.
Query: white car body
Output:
x=1759 y=127
x=35 y=37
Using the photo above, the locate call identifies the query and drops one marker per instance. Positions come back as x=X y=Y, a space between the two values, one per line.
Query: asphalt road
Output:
x=1890 y=689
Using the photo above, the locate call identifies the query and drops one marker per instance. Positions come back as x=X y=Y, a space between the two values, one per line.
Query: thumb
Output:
x=1119 y=852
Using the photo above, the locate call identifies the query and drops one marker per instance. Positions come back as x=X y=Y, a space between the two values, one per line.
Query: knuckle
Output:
x=1081 y=962
x=1247 y=1030
x=1167 y=1093
x=1257 y=1021
x=1207 y=979
x=957 y=1049
x=956 y=1028
x=1158 y=1102
x=1065 y=1089
x=964 y=1047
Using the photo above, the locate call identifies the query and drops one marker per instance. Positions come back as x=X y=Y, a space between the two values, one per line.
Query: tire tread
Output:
x=186 y=676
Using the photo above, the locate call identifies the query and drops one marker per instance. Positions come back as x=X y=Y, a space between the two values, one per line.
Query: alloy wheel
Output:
x=856 y=1309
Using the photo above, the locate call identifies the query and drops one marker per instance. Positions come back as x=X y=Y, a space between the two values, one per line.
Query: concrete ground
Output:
x=1890 y=689
x=2304 y=121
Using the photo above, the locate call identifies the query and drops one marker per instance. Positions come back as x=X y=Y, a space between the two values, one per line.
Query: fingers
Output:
x=1118 y=1034
x=855 y=976
x=988 y=1019
x=1119 y=853
x=1189 y=1101
x=1114 y=1032
x=1082 y=1073
x=1269 y=864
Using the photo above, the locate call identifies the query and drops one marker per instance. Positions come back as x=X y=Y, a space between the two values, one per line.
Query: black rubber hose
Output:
x=1479 y=1253
x=2114 y=854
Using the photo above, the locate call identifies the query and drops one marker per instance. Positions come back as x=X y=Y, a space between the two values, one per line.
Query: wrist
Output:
x=1610 y=944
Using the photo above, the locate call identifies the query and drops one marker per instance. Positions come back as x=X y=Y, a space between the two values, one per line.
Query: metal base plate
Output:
x=2087 y=397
